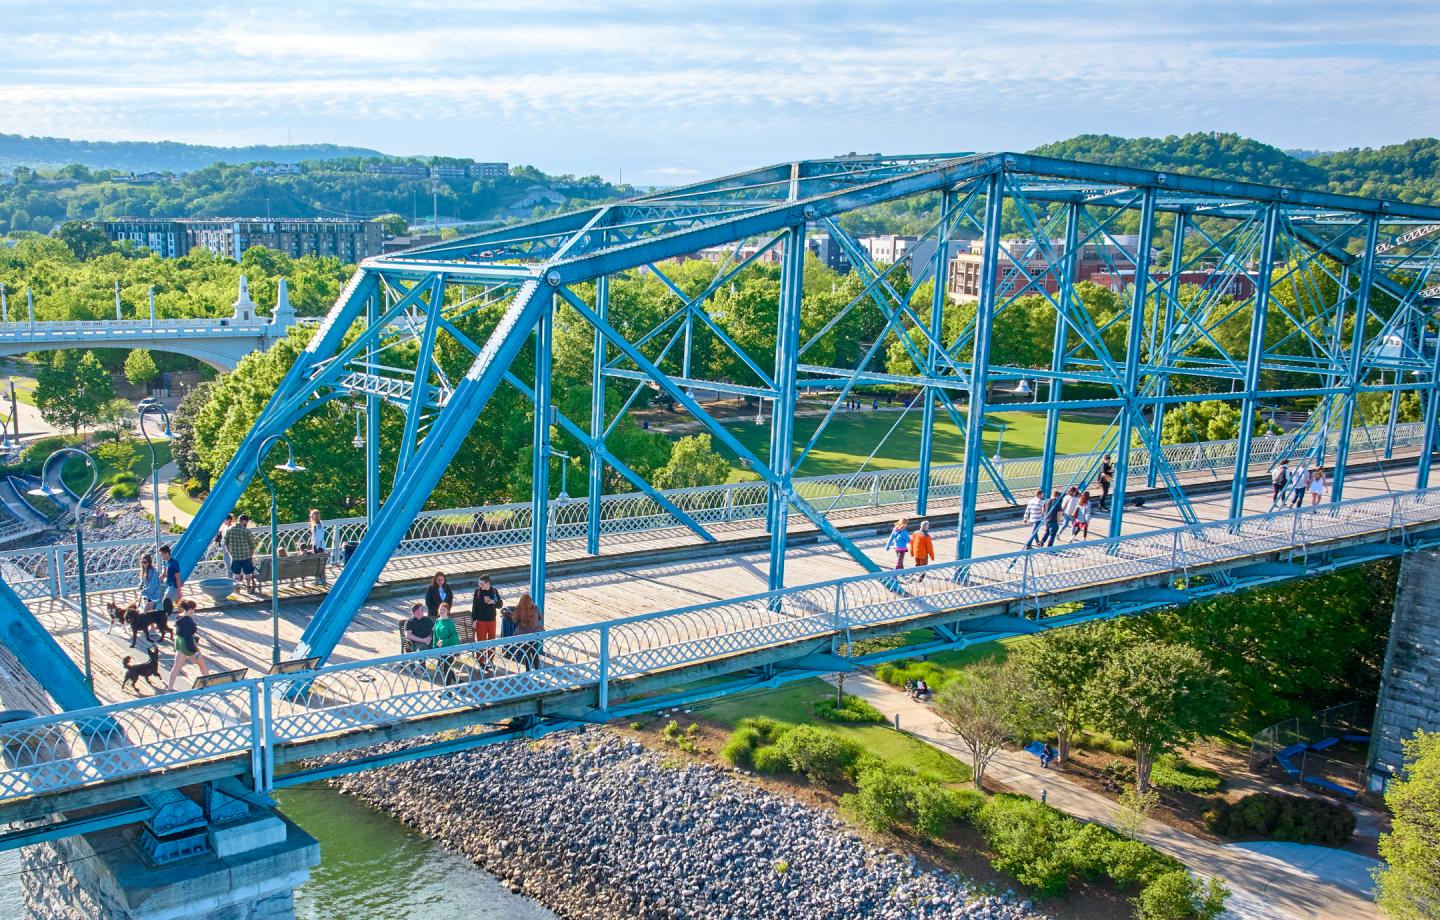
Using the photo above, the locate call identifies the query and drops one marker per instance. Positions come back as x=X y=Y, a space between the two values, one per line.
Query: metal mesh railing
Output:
x=253 y=718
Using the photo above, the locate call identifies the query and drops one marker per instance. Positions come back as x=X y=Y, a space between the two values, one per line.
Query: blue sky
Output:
x=667 y=92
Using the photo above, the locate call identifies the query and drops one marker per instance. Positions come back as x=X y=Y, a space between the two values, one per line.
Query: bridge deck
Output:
x=240 y=637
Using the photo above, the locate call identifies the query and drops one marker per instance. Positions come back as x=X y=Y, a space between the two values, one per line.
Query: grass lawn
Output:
x=791 y=704
x=940 y=668
x=181 y=499
x=77 y=474
x=851 y=436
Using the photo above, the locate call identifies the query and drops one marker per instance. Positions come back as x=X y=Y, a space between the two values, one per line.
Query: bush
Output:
x=1179 y=896
x=1171 y=772
x=749 y=736
x=820 y=754
x=1283 y=817
x=888 y=795
x=1046 y=849
x=850 y=709
x=769 y=760
x=882 y=799
x=896 y=673
x=33 y=457
x=124 y=490
x=122 y=479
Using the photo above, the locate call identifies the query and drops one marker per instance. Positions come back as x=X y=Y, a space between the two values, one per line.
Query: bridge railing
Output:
x=112 y=564
x=110 y=327
x=256 y=717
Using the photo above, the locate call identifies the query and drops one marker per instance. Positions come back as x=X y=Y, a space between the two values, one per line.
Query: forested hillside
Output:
x=155 y=156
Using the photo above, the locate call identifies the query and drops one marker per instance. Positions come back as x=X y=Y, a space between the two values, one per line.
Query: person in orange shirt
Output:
x=921 y=546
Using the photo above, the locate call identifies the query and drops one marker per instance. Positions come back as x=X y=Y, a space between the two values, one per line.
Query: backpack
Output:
x=1278 y=477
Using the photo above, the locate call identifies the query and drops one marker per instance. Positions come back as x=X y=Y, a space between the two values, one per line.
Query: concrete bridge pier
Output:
x=238 y=859
x=1410 y=681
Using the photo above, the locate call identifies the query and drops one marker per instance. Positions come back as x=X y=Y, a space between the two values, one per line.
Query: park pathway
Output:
x=170 y=513
x=1268 y=880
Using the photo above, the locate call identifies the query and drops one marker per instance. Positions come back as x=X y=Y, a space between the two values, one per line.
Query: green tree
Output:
x=1058 y=665
x=394 y=224
x=1208 y=420
x=72 y=389
x=986 y=709
x=693 y=462
x=1179 y=895
x=1160 y=696
x=1408 y=886
x=84 y=238
x=183 y=449
x=140 y=367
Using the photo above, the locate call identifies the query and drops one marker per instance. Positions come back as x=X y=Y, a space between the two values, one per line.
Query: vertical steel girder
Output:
x=782 y=422
x=1254 y=358
x=372 y=422
x=597 y=421
x=980 y=373
x=1355 y=371
x=938 y=298
x=1067 y=299
x=540 y=453
x=1432 y=412
x=1132 y=413
x=1164 y=334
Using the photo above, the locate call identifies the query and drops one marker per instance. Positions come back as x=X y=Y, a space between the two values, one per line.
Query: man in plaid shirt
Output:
x=241 y=547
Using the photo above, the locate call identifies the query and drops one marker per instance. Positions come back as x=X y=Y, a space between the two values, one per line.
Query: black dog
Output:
x=142 y=622
x=149 y=669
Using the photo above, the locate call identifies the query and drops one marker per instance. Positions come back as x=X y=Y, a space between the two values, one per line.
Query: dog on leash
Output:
x=117 y=616
x=142 y=622
x=148 y=669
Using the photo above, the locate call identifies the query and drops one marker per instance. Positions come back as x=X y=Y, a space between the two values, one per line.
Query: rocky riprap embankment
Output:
x=597 y=827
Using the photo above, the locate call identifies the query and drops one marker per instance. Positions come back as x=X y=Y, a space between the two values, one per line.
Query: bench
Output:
x=1286 y=765
x=1324 y=744
x=1322 y=783
x=307 y=565
x=1036 y=747
x=1358 y=738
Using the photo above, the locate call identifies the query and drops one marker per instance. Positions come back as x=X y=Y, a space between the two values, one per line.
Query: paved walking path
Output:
x=1268 y=879
x=170 y=513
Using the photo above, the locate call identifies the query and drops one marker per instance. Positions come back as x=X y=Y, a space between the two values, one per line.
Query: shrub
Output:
x=1029 y=840
x=1171 y=772
x=822 y=755
x=888 y=795
x=850 y=709
x=33 y=457
x=1283 y=817
x=1179 y=896
x=194 y=487
x=124 y=490
x=122 y=479
x=881 y=801
x=770 y=760
x=750 y=735
x=671 y=731
x=896 y=673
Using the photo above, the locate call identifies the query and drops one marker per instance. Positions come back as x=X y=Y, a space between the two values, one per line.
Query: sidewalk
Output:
x=1268 y=879
x=170 y=513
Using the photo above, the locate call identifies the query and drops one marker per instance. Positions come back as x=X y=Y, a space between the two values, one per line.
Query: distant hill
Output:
x=155 y=156
x=1213 y=154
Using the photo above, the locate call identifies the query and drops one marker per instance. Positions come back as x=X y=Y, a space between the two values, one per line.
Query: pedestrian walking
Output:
x=445 y=635
x=148 y=593
x=438 y=593
x=1035 y=516
x=220 y=539
x=899 y=541
x=419 y=629
x=483 y=608
x=1278 y=478
x=1053 y=511
x=922 y=548
x=527 y=618
x=187 y=645
x=319 y=542
x=1317 y=485
x=1083 y=513
x=169 y=579
x=241 y=545
x=1069 y=507
x=1299 y=485
x=1107 y=479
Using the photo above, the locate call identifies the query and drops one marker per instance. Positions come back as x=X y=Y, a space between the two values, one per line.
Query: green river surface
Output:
x=371 y=866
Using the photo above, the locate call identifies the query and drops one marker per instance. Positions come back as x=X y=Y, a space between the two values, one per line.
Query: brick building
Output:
x=348 y=240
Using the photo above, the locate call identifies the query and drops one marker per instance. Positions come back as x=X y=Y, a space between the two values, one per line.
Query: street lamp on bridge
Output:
x=289 y=466
x=57 y=494
x=145 y=409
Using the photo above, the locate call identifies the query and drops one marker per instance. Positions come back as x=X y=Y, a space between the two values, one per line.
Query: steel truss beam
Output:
x=380 y=339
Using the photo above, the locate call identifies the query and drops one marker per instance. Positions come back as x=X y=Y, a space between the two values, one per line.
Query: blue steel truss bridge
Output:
x=1335 y=312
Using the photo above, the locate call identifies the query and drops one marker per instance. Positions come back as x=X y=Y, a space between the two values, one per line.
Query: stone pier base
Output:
x=250 y=873
x=1410 y=682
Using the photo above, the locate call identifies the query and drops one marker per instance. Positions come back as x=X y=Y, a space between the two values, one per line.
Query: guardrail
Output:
x=253 y=718
x=112 y=564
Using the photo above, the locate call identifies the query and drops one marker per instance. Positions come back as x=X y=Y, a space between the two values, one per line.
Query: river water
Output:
x=371 y=866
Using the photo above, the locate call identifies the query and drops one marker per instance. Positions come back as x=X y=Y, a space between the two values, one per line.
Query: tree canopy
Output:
x=1408 y=887
x=72 y=389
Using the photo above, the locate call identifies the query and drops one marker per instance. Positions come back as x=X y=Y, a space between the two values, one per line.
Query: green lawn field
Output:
x=851 y=436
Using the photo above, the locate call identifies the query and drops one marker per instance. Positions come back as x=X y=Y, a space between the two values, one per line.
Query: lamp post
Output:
x=289 y=466
x=146 y=410
x=564 y=496
x=55 y=495
x=1000 y=439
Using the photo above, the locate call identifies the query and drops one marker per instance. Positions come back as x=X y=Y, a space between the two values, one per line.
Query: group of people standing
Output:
x=1290 y=486
x=431 y=623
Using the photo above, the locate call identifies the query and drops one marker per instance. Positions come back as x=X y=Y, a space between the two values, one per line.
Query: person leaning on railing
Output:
x=526 y=618
x=444 y=636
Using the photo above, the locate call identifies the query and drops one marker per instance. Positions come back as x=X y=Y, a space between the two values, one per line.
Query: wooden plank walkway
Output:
x=241 y=636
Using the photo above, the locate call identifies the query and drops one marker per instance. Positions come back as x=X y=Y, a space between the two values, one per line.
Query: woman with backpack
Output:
x=899 y=541
x=187 y=644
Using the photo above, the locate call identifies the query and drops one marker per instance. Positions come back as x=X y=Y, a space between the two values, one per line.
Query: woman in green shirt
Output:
x=445 y=635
